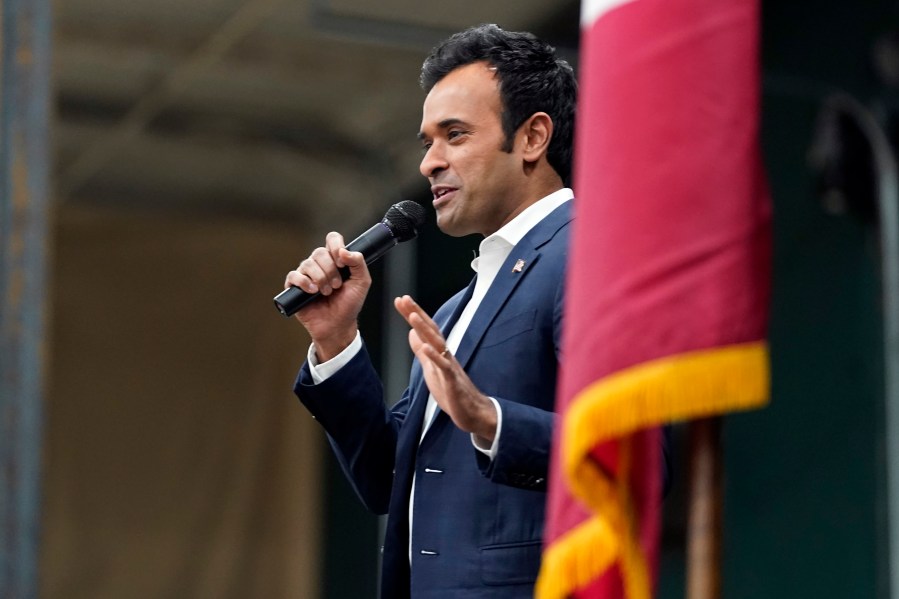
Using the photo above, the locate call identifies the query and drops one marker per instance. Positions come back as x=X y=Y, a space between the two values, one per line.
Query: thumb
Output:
x=355 y=262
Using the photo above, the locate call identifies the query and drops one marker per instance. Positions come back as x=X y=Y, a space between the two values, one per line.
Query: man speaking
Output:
x=460 y=463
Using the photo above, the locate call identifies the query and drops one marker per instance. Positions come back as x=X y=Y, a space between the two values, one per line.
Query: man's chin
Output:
x=448 y=227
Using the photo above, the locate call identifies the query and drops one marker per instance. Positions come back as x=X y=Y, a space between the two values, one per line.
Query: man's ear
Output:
x=535 y=134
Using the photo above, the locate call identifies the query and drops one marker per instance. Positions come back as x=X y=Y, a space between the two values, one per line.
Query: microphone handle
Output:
x=373 y=244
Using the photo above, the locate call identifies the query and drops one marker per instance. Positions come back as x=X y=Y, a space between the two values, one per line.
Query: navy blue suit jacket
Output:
x=478 y=524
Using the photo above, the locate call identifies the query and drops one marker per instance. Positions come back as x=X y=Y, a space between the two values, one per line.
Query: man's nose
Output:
x=433 y=161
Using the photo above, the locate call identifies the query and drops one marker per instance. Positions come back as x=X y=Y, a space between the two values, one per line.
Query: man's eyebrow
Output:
x=444 y=124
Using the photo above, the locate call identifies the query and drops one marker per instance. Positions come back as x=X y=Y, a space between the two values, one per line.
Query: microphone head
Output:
x=403 y=220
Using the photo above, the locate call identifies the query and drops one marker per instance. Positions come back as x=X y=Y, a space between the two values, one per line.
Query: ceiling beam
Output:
x=94 y=157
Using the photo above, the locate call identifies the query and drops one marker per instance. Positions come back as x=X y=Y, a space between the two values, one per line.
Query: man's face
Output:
x=473 y=180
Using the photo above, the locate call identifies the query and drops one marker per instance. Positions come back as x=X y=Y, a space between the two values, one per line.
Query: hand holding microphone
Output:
x=399 y=224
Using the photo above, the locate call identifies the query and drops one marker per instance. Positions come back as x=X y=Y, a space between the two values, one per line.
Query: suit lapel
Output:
x=507 y=280
x=516 y=267
x=410 y=433
x=518 y=264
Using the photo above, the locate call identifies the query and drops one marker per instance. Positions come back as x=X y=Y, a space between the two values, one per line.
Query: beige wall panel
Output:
x=178 y=462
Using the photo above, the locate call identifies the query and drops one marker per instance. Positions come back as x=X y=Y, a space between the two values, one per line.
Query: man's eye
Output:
x=454 y=134
x=425 y=147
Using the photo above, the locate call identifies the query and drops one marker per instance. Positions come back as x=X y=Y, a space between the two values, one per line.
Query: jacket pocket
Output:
x=510 y=563
x=505 y=329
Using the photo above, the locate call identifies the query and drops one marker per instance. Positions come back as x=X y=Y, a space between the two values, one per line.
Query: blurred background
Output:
x=200 y=148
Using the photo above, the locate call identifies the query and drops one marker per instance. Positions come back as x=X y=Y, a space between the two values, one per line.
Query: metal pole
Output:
x=888 y=207
x=24 y=99
x=705 y=510
x=888 y=217
x=888 y=212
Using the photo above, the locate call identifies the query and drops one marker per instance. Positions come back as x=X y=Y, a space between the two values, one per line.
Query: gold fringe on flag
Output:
x=684 y=386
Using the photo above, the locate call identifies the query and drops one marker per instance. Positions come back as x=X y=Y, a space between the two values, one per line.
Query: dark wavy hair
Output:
x=531 y=79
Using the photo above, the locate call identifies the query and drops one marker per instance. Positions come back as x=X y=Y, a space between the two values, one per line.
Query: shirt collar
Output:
x=512 y=232
x=518 y=227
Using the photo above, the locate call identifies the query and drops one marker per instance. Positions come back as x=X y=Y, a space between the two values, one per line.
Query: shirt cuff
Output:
x=322 y=372
x=491 y=451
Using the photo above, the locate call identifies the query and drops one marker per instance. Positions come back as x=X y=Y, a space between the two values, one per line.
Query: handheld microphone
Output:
x=398 y=225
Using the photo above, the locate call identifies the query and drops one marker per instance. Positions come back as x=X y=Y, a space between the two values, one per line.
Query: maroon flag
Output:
x=669 y=276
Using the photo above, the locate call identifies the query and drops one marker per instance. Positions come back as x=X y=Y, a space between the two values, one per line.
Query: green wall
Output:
x=804 y=478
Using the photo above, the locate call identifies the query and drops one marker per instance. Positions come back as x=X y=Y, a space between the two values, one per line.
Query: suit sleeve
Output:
x=362 y=431
x=522 y=458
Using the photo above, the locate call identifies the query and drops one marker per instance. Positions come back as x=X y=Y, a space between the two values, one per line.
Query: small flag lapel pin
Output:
x=518 y=266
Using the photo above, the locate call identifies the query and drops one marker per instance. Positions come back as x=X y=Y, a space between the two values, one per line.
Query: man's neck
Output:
x=533 y=195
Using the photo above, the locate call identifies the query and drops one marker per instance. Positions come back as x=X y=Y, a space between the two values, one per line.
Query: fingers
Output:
x=413 y=313
x=437 y=355
x=355 y=261
x=333 y=245
x=320 y=272
x=425 y=336
x=407 y=306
